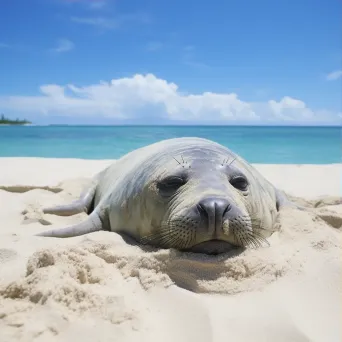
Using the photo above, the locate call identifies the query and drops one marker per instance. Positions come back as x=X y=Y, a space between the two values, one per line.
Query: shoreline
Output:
x=291 y=178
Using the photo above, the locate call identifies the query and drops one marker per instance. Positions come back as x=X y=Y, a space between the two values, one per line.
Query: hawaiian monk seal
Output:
x=185 y=193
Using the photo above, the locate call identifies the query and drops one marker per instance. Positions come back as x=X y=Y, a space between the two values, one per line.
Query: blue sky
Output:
x=157 y=61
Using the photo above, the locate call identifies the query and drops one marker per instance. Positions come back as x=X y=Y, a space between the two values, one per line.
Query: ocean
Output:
x=267 y=145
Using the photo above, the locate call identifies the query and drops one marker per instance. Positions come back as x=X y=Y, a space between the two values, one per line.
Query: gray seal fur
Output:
x=185 y=193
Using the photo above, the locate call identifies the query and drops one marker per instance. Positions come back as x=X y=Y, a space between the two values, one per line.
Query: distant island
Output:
x=7 y=121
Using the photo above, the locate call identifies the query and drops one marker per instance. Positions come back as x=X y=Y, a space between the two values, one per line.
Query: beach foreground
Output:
x=98 y=288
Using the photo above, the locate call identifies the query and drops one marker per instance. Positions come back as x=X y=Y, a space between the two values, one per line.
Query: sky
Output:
x=172 y=62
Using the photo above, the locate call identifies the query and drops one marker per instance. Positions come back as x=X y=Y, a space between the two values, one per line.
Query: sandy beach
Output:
x=98 y=288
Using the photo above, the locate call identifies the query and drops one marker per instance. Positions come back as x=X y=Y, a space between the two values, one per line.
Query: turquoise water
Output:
x=276 y=145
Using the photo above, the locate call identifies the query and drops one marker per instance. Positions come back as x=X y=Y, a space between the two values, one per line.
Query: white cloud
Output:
x=335 y=75
x=146 y=96
x=112 y=23
x=63 y=45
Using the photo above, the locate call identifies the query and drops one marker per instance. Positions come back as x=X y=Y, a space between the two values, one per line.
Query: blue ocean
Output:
x=271 y=145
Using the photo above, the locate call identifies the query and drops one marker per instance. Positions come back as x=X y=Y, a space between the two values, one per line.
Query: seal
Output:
x=190 y=194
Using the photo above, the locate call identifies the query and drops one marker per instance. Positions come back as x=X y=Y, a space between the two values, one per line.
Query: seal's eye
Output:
x=239 y=182
x=171 y=184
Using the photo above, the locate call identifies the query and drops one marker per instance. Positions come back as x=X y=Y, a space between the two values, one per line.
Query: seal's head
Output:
x=205 y=200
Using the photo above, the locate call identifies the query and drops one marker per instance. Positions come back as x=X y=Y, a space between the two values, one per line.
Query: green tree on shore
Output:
x=7 y=121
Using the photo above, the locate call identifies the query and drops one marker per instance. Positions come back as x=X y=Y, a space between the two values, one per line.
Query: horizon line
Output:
x=177 y=125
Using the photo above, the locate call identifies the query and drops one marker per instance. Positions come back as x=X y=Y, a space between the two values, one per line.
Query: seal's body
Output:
x=185 y=193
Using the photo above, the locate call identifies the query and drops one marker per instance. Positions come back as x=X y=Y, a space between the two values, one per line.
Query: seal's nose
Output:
x=213 y=209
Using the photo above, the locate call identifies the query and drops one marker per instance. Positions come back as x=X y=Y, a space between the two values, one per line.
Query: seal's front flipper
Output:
x=73 y=208
x=92 y=224
x=83 y=204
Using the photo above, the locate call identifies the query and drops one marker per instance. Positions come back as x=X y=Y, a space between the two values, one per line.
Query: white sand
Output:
x=98 y=288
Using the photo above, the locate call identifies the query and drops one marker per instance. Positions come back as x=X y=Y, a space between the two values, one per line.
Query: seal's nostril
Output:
x=228 y=207
x=202 y=210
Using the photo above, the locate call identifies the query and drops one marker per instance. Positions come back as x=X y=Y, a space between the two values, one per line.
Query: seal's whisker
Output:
x=250 y=239
x=246 y=241
x=171 y=240
x=232 y=161
x=258 y=239
x=175 y=234
x=250 y=242
x=176 y=160
x=254 y=240
x=174 y=241
x=166 y=237
x=148 y=239
x=240 y=240
x=186 y=241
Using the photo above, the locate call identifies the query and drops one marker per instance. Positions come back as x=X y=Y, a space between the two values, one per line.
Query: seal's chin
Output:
x=213 y=247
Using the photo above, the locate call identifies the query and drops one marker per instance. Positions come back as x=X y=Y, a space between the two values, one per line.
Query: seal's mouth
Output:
x=213 y=247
